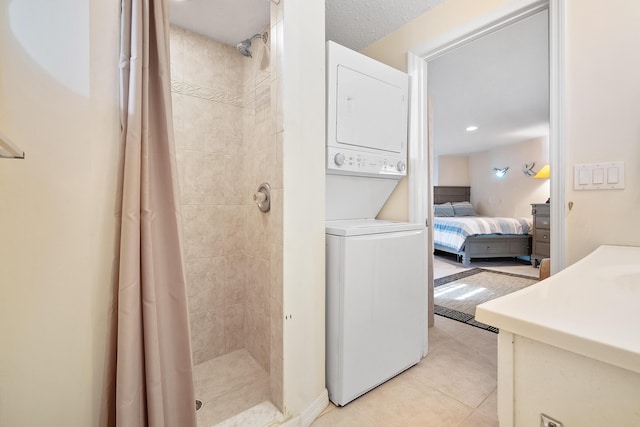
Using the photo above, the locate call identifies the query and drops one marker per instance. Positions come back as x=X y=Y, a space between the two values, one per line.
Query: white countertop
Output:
x=590 y=308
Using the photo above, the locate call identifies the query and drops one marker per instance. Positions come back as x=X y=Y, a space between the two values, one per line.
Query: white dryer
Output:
x=376 y=276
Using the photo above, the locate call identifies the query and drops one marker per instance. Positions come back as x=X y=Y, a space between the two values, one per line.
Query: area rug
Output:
x=456 y=296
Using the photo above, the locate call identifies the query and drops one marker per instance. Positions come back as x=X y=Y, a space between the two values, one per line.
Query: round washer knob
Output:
x=401 y=166
x=339 y=159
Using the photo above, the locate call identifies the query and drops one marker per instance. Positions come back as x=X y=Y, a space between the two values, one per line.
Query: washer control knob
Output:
x=401 y=166
x=339 y=159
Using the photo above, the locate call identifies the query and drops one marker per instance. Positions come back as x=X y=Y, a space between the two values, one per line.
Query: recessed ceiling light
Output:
x=472 y=128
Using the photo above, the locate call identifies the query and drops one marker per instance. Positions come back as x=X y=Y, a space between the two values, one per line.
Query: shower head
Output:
x=244 y=47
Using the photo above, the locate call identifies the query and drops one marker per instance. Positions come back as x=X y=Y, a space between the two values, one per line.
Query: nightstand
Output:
x=541 y=232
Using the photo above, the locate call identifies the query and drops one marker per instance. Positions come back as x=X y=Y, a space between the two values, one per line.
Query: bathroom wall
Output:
x=226 y=146
x=59 y=103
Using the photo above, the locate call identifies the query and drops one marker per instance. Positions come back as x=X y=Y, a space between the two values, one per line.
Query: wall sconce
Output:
x=527 y=169
x=500 y=172
x=543 y=173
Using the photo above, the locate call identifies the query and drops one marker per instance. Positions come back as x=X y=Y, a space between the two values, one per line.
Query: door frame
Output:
x=420 y=189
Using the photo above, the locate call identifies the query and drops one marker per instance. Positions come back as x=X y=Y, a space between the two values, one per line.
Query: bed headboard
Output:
x=444 y=194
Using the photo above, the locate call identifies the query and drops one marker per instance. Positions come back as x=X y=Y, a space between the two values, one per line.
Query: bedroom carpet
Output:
x=457 y=295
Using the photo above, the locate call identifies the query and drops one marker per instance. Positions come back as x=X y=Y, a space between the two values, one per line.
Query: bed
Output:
x=470 y=236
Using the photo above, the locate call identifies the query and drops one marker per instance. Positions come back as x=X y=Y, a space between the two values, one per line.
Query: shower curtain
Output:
x=153 y=370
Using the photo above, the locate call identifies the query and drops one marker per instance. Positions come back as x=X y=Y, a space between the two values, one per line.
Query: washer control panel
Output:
x=352 y=162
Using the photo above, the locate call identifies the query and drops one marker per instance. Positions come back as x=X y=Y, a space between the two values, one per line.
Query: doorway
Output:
x=421 y=134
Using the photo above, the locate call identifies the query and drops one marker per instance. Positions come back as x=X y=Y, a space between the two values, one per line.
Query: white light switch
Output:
x=584 y=177
x=599 y=176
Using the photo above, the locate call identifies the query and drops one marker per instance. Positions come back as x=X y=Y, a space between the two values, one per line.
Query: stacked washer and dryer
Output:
x=376 y=284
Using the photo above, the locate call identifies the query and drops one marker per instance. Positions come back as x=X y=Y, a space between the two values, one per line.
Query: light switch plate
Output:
x=599 y=176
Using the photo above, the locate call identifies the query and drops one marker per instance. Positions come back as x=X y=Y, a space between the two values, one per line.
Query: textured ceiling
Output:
x=351 y=23
x=358 y=23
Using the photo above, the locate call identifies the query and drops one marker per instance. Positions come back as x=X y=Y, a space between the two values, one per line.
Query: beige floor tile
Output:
x=455 y=371
x=405 y=401
x=486 y=415
x=229 y=385
x=453 y=386
x=226 y=373
x=352 y=415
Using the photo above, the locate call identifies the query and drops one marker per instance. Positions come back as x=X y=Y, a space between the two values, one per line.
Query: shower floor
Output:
x=234 y=390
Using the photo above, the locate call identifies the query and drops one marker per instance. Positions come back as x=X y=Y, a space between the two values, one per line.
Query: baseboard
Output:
x=306 y=417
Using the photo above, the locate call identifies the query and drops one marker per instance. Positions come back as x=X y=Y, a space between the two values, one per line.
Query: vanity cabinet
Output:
x=541 y=232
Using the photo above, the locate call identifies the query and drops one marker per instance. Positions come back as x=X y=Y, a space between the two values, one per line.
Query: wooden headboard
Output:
x=444 y=194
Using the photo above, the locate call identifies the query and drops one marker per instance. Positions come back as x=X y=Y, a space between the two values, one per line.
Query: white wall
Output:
x=451 y=170
x=603 y=105
x=512 y=194
x=304 y=208
x=603 y=110
x=58 y=101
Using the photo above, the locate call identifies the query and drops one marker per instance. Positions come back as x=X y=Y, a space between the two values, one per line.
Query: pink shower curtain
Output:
x=153 y=371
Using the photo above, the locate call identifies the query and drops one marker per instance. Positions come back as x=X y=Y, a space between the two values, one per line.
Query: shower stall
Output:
x=228 y=144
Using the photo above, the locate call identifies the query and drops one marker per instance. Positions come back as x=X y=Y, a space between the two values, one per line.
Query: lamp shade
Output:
x=543 y=173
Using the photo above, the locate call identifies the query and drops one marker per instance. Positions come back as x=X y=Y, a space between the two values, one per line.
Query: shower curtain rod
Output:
x=8 y=150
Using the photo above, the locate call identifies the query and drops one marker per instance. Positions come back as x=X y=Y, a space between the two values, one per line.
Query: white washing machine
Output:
x=375 y=304
x=376 y=270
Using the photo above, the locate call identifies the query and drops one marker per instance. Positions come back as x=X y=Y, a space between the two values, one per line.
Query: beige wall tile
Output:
x=176 y=48
x=204 y=126
x=275 y=270
x=257 y=286
x=201 y=177
x=235 y=280
x=234 y=69
x=233 y=129
x=234 y=190
x=276 y=220
x=257 y=336
x=205 y=283
x=278 y=166
x=256 y=242
x=234 y=327
x=207 y=335
x=234 y=224
x=203 y=231
x=204 y=61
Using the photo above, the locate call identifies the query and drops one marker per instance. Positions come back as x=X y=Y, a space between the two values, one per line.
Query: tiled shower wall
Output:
x=208 y=109
x=227 y=144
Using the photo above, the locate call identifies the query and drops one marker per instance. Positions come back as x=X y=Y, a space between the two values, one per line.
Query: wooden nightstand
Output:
x=541 y=232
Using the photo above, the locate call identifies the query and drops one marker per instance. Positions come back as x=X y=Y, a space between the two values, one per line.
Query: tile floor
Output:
x=455 y=385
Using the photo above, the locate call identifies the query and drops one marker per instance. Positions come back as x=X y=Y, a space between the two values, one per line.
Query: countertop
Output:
x=591 y=308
